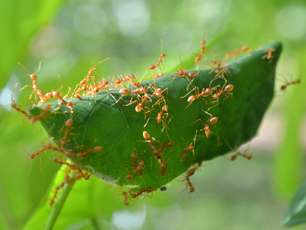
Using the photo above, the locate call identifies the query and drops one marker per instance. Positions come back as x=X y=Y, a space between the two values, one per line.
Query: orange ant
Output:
x=67 y=180
x=126 y=198
x=217 y=63
x=141 y=191
x=32 y=118
x=203 y=51
x=34 y=83
x=189 y=173
x=68 y=125
x=238 y=153
x=236 y=52
x=57 y=188
x=95 y=149
x=94 y=88
x=161 y=117
x=284 y=87
x=182 y=72
x=211 y=121
x=17 y=107
x=89 y=75
x=146 y=135
x=205 y=92
x=160 y=60
x=46 y=146
x=158 y=75
x=189 y=147
x=244 y=48
x=269 y=54
x=121 y=80
x=164 y=168
x=226 y=91
x=139 y=107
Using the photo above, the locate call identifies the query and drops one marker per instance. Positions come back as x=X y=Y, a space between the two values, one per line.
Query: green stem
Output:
x=59 y=204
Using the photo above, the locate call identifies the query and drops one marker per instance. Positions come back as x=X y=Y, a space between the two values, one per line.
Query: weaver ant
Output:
x=269 y=54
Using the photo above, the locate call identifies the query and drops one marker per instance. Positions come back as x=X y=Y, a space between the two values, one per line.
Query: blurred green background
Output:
x=69 y=36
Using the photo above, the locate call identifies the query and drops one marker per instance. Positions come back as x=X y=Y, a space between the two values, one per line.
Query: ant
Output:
x=238 y=153
x=205 y=93
x=236 y=52
x=211 y=121
x=139 y=107
x=34 y=83
x=121 y=80
x=203 y=51
x=226 y=91
x=182 y=72
x=32 y=118
x=269 y=54
x=126 y=198
x=189 y=173
x=189 y=147
x=161 y=117
x=141 y=191
x=284 y=86
x=89 y=75
x=46 y=146
x=160 y=60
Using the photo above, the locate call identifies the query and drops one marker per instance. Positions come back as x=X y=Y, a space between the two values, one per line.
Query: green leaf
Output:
x=297 y=212
x=105 y=120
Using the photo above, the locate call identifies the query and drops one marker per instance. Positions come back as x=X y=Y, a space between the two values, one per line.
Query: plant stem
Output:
x=59 y=204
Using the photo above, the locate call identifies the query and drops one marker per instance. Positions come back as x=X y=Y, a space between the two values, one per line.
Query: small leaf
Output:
x=297 y=212
x=109 y=120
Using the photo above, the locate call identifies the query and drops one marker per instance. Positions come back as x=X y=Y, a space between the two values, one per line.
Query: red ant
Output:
x=94 y=88
x=205 y=92
x=121 y=80
x=284 y=87
x=89 y=75
x=238 y=153
x=126 y=198
x=189 y=147
x=160 y=60
x=34 y=83
x=139 y=107
x=226 y=91
x=31 y=118
x=269 y=54
x=217 y=63
x=236 y=52
x=203 y=51
x=189 y=173
x=211 y=121
x=141 y=191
